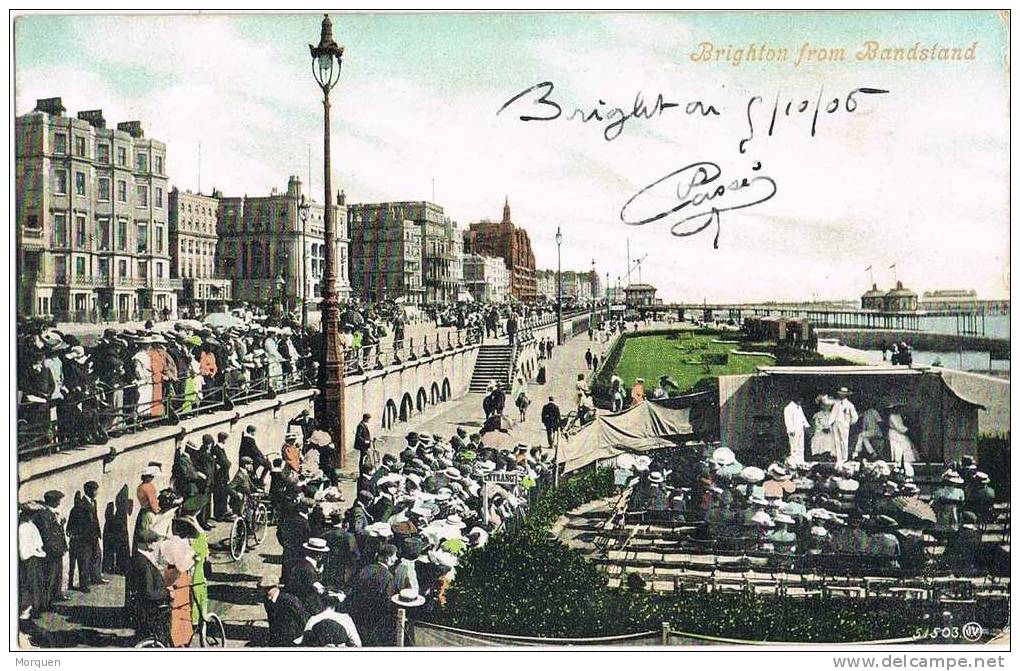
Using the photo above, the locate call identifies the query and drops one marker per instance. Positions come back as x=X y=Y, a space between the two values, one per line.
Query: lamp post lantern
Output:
x=303 y=208
x=559 y=290
x=327 y=60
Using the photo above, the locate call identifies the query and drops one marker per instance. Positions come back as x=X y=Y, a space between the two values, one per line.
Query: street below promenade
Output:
x=96 y=619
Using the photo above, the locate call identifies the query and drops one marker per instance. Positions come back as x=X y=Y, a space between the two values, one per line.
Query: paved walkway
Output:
x=96 y=619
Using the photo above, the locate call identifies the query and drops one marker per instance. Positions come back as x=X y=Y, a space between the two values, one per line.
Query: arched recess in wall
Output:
x=434 y=394
x=406 y=407
x=445 y=393
x=422 y=399
x=389 y=416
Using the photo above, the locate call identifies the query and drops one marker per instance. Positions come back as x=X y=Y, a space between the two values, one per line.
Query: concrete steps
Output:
x=493 y=363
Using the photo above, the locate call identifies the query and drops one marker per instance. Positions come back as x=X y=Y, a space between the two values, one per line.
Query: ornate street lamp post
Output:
x=591 y=326
x=303 y=208
x=559 y=290
x=327 y=60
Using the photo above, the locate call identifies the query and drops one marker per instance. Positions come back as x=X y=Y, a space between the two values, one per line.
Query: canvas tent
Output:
x=642 y=428
x=943 y=424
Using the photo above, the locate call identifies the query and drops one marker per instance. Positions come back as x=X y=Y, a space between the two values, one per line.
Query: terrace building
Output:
x=91 y=218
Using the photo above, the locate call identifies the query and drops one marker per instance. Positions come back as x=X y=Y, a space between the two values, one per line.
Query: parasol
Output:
x=912 y=509
x=222 y=320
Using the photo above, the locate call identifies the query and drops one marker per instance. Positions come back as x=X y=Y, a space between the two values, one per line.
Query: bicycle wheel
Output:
x=213 y=634
x=260 y=523
x=238 y=539
x=149 y=642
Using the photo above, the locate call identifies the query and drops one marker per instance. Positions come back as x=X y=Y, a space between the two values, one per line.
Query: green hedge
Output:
x=527 y=584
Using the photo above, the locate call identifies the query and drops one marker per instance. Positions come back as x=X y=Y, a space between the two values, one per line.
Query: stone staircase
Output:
x=493 y=363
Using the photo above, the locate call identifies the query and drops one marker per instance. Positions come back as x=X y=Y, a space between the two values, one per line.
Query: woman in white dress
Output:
x=822 y=440
x=142 y=363
x=901 y=448
x=274 y=359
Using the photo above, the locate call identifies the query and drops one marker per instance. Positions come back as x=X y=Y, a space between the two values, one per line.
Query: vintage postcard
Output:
x=495 y=329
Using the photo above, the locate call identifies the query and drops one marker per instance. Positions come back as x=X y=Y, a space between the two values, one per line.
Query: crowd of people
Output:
x=344 y=570
x=72 y=392
x=858 y=513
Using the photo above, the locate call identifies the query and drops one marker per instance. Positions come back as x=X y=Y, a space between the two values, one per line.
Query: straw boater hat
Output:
x=783 y=518
x=455 y=521
x=752 y=474
x=844 y=392
x=408 y=598
x=316 y=545
x=777 y=472
x=848 y=485
x=656 y=477
x=379 y=530
x=723 y=456
x=952 y=476
x=981 y=476
x=152 y=471
x=452 y=473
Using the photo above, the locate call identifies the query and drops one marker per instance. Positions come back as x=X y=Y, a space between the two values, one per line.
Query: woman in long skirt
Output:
x=822 y=440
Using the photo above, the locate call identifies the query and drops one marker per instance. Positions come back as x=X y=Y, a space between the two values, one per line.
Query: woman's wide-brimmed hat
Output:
x=723 y=456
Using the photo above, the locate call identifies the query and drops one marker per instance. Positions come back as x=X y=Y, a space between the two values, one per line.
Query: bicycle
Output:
x=251 y=524
x=209 y=629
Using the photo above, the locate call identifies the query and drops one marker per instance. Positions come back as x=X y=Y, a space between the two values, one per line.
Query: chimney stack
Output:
x=132 y=128
x=51 y=106
x=94 y=117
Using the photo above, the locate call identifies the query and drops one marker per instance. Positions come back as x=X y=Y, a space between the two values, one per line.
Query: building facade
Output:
x=91 y=218
x=386 y=253
x=269 y=250
x=640 y=295
x=486 y=278
x=509 y=243
x=440 y=241
x=545 y=285
x=193 y=242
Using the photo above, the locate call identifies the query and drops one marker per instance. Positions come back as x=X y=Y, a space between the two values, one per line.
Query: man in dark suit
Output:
x=551 y=420
x=286 y=615
x=221 y=477
x=357 y=515
x=372 y=609
x=85 y=534
x=293 y=532
x=305 y=578
x=363 y=443
x=51 y=528
x=249 y=448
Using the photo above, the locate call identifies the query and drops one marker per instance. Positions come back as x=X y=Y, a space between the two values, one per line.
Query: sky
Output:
x=916 y=177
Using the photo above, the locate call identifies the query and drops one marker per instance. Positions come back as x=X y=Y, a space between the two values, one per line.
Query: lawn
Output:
x=654 y=355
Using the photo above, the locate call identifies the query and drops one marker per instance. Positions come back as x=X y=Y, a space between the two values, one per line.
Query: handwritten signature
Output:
x=697 y=198
x=615 y=118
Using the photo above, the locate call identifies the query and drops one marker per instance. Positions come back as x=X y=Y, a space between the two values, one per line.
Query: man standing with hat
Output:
x=85 y=534
x=372 y=610
x=796 y=422
x=221 y=478
x=842 y=417
x=551 y=420
x=249 y=448
x=305 y=578
x=363 y=444
x=51 y=528
x=286 y=616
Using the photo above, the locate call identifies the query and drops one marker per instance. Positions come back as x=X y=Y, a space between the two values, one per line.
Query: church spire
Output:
x=506 y=210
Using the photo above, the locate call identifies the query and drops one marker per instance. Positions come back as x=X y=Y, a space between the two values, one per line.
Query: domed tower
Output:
x=506 y=210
